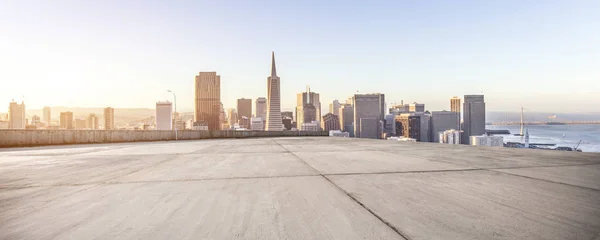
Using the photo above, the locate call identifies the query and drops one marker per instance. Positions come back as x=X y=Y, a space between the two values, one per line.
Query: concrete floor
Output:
x=297 y=188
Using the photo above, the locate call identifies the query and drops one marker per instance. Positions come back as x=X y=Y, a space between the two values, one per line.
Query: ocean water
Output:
x=561 y=135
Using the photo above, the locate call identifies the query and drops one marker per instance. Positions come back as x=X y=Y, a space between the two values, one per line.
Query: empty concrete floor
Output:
x=297 y=188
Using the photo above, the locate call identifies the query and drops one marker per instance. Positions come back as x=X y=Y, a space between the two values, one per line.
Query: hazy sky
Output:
x=542 y=54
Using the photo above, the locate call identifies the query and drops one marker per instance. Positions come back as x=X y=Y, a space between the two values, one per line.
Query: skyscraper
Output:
x=455 y=107
x=474 y=117
x=109 y=118
x=306 y=113
x=308 y=101
x=244 y=108
x=66 y=120
x=347 y=119
x=16 y=115
x=208 y=99
x=334 y=107
x=47 y=116
x=455 y=104
x=92 y=122
x=369 y=110
x=164 y=113
x=261 y=108
x=222 y=118
x=232 y=117
x=274 y=121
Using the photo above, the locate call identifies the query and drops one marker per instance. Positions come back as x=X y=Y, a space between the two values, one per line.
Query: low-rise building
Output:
x=489 y=141
x=451 y=136
x=257 y=124
x=312 y=126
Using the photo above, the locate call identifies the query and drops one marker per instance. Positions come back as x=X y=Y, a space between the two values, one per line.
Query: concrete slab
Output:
x=324 y=147
x=369 y=162
x=243 y=148
x=72 y=169
x=276 y=208
x=584 y=175
x=476 y=205
x=18 y=202
x=268 y=188
x=215 y=166
x=155 y=148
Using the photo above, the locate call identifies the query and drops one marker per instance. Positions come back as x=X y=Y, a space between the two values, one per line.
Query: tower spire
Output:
x=273 y=70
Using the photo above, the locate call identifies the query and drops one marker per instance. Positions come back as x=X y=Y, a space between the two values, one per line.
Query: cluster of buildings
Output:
x=16 y=119
x=360 y=116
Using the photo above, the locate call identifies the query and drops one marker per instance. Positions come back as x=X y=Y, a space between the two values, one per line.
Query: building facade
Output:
x=287 y=123
x=256 y=124
x=312 y=126
x=261 y=108
x=451 y=136
x=244 y=122
x=473 y=118
x=331 y=122
x=274 y=121
x=66 y=120
x=488 y=141
x=16 y=115
x=287 y=114
x=308 y=106
x=442 y=121
x=47 y=116
x=92 y=122
x=413 y=125
x=368 y=106
x=334 y=107
x=80 y=124
x=455 y=104
x=347 y=119
x=164 y=113
x=207 y=104
x=244 y=108
x=232 y=116
x=416 y=107
x=306 y=113
x=109 y=118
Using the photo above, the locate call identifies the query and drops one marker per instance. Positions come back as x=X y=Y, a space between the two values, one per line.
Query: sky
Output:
x=540 y=54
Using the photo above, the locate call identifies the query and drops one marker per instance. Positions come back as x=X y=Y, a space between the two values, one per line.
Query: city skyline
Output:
x=522 y=60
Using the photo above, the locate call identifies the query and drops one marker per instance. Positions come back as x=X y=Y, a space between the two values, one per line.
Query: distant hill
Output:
x=122 y=115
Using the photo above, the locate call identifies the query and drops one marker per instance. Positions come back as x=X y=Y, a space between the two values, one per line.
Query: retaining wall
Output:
x=28 y=138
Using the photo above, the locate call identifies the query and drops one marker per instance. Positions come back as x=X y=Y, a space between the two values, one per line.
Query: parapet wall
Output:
x=28 y=138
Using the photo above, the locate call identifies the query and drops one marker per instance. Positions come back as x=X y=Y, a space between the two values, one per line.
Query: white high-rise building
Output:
x=261 y=108
x=334 y=107
x=164 y=111
x=16 y=115
x=274 y=121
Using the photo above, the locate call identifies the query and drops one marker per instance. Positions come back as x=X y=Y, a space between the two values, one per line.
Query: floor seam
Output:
x=388 y=224
x=544 y=180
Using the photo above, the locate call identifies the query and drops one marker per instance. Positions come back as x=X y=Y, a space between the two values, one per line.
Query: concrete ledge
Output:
x=30 y=138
